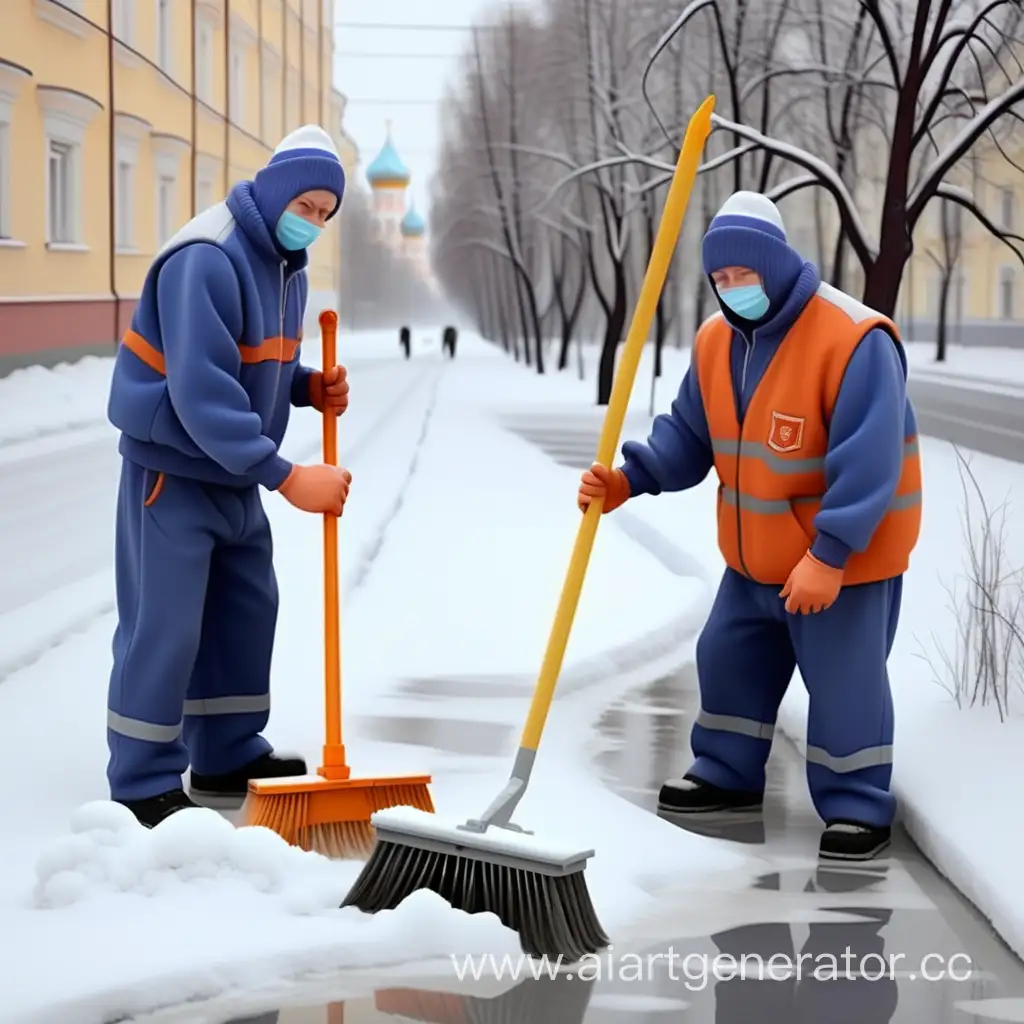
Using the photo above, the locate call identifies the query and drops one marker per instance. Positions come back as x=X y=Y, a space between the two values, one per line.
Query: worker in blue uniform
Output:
x=201 y=392
x=796 y=397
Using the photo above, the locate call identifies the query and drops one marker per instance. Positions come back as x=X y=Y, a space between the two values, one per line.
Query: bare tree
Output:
x=924 y=68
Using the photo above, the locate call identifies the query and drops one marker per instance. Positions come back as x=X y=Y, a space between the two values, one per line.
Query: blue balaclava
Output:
x=748 y=232
x=305 y=160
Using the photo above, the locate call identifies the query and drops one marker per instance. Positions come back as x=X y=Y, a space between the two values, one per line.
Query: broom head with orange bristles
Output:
x=330 y=812
x=331 y=816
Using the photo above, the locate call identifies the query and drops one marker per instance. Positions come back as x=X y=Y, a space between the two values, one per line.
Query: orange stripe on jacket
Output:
x=273 y=350
x=771 y=470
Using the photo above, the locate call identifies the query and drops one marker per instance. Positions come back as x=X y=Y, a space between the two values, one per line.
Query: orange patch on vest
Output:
x=786 y=433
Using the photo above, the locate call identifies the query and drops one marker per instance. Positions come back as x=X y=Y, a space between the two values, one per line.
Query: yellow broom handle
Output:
x=650 y=293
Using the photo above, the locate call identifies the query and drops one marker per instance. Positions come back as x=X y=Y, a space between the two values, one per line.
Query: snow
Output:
x=988 y=368
x=36 y=400
x=453 y=550
x=945 y=756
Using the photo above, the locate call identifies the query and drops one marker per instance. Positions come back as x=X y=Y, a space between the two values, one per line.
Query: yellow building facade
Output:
x=110 y=141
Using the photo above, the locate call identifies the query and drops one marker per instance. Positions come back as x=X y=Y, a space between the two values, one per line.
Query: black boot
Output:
x=690 y=795
x=228 y=791
x=154 y=809
x=850 y=840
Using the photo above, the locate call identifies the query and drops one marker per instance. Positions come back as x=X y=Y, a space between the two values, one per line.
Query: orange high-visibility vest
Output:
x=771 y=468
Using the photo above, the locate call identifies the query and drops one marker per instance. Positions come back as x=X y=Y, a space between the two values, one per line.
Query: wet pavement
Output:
x=888 y=942
x=883 y=942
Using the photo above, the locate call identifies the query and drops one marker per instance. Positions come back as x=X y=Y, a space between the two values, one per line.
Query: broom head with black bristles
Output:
x=331 y=816
x=536 y=890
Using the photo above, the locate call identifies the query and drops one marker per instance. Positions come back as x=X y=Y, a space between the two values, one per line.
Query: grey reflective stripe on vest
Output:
x=150 y=732
x=773 y=460
x=869 y=757
x=775 y=507
x=783 y=464
x=734 y=723
x=248 y=705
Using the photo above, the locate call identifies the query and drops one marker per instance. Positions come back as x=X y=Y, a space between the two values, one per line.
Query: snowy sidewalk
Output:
x=957 y=771
x=453 y=547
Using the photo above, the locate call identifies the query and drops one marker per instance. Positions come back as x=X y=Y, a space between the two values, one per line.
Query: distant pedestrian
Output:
x=405 y=339
x=450 y=337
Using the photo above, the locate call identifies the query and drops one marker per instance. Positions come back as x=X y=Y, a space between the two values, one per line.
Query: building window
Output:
x=124 y=21
x=164 y=35
x=165 y=218
x=1008 y=208
x=204 y=194
x=60 y=193
x=123 y=211
x=1007 y=293
x=267 y=126
x=204 y=60
x=5 y=179
x=236 y=109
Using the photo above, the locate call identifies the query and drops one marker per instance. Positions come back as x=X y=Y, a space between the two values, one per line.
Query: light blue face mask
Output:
x=750 y=302
x=295 y=232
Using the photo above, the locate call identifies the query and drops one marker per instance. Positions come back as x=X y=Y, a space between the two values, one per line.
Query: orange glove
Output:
x=317 y=489
x=812 y=586
x=601 y=482
x=329 y=389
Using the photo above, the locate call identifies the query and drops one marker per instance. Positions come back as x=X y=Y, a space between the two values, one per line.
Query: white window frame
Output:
x=124 y=212
x=1008 y=208
x=165 y=178
x=204 y=58
x=64 y=154
x=1007 y=274
x=270 y=86
x=204 y=194
x=66 y=115
x=165 y=36
x=126 y=156
x=124 y=21
x=236 y=80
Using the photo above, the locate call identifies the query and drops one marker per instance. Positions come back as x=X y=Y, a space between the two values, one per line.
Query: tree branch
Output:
x=961 y=143
x=963 y=198
x=853 y=225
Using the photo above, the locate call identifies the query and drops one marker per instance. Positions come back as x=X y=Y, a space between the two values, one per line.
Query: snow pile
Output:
x=108 y=851
x=461 y=534
x=40 y=400
x=137 y=919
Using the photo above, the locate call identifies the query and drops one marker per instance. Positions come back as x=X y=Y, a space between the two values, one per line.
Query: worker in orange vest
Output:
x=796 y=396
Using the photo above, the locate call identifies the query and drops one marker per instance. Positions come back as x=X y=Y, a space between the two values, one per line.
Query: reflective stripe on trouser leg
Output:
x=744 y=664
x=162 y=555
x=227 y=706
x=842 y=653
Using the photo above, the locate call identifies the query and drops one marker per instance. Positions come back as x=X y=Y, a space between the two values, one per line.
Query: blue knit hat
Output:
x=306 y=159
x=748 y=232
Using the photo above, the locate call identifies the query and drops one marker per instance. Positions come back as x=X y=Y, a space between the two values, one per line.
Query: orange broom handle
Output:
x=334 y=766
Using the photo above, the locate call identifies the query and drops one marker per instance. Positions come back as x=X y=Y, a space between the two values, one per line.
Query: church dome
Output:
x=387 y=169
x=413 y=225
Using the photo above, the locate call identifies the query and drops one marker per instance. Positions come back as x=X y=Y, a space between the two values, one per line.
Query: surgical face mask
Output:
x=295 y=232
x=750 y=302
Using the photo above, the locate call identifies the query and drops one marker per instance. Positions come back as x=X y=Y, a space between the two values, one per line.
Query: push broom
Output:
x=536 y=889
x=330 y=812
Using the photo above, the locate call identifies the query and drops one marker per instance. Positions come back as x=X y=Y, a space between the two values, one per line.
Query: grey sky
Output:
x=395 y=65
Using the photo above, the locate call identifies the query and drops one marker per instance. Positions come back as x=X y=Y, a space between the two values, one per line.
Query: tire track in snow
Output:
x=26 y=635
x=372 y=549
